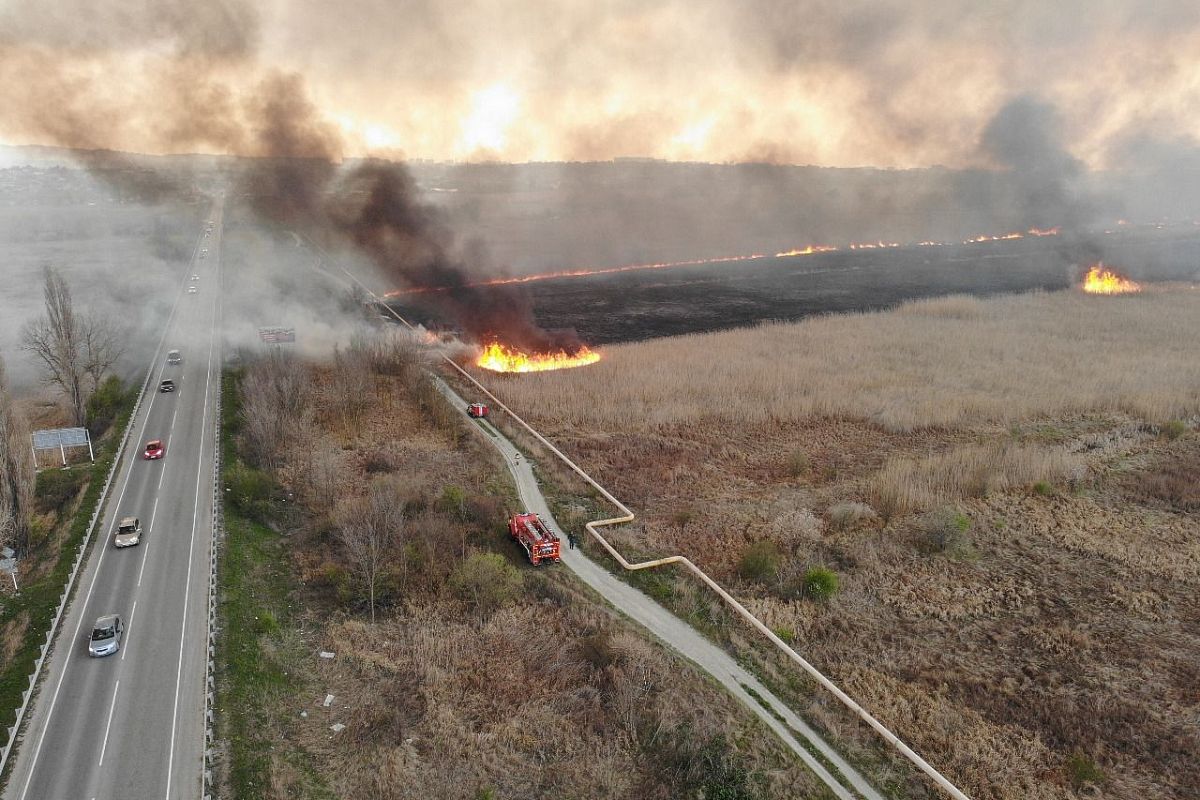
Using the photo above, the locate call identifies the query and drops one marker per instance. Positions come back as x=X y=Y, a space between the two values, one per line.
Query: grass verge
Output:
x=38 y=600
x=254 y=654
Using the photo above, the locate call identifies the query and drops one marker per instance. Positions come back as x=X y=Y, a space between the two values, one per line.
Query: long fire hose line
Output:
x=628 y=516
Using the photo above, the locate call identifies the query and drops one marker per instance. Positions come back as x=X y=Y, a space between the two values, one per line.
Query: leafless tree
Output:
x=101 y=348
x=324 y=477
x=276 y=407
x=75 y=351
x=16 y=473
x=370 y=529
x=56 y=342
x=351 y=385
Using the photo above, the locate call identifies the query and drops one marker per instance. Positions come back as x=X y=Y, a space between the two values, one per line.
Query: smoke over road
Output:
x=203 y=89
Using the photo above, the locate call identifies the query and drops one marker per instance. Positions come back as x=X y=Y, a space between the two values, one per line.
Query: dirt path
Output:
x=681 y=637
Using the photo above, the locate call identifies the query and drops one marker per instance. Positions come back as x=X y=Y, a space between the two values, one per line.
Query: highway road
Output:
x=131 y=725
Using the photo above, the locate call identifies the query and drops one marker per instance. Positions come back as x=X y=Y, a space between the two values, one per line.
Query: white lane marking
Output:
x=86 y=599
x=104 y=547
x=125 y=645
x=107 y=727
x=146 y=547
x=187 y=586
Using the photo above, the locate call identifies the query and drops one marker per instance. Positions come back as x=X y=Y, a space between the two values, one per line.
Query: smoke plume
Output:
x=201 y=88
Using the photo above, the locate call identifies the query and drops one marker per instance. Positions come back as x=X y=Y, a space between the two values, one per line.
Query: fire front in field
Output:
x=502 y=358
x=1102 y=280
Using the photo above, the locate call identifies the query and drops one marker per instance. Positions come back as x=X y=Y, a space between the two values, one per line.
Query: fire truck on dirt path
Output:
x=540 y=543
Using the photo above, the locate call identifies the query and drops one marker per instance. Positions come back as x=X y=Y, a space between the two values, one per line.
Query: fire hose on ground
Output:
x=628 y=516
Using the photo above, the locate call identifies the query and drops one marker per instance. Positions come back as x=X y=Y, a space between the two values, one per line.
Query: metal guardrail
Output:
x=97 y=512
x=218 y=533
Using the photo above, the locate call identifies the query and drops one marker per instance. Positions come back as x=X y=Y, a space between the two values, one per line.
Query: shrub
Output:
x=760 y=561
x=1043 y=488
x=847 y=515
x=786 y=634
x=104 y=404
x=682 y=517
x=250 y=491
x=798 y=464
x=485 y=581
x=946 y=531
x=820 y=584
x=377 y=463
x=56 y=488
x=453 y=502
x=1174 y=429
x=1083 y=771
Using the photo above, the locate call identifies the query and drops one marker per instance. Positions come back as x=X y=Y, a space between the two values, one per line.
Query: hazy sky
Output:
x=897 y=83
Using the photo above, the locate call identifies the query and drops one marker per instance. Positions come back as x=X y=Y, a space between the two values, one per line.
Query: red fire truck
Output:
x=477 y=410
x=540 y=543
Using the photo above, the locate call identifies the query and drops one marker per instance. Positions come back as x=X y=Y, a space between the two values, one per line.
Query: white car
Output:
x=195 y=277
x=192 y=290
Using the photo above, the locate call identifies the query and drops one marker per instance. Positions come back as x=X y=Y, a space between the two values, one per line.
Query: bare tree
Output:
x=324 y=476
x=17 y=474
x=351 y=385
x=276 y=407
x=101 y=348
x=370 y=529
x=75 y=351
x=56 y=342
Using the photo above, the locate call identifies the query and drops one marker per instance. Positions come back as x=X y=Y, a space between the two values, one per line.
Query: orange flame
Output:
x=1100 y=280
x=807 y=250
x=501 y=358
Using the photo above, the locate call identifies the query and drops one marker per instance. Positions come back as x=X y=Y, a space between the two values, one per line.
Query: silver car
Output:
x=106 y=636
x=128 y=533
x=174 y=357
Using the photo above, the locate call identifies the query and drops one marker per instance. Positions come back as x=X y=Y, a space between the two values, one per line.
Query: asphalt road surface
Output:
x=797 y=735
x=131 y=725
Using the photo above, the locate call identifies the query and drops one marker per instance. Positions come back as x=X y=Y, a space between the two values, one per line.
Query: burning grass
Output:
x=502 y=358
x=943 y=362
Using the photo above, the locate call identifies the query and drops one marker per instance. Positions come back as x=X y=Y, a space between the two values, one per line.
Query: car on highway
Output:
x=167 y=386
x=195 y=277
x=128 y=532
x=154 y=449
x=174 y=357
x=106 y=636
x=192 y=290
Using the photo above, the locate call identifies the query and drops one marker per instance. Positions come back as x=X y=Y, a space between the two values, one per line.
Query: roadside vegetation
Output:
x=57 y=507
x=979 y=517
x=381 y=636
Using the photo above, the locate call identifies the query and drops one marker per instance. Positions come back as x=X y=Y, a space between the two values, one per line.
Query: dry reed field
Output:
x=1004 y=490
x=515 y=685
x=940 y=362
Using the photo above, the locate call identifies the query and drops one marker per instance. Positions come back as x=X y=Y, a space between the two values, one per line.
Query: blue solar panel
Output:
x=66 y=437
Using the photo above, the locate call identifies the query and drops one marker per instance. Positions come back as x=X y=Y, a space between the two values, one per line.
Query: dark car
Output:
x=167 y=386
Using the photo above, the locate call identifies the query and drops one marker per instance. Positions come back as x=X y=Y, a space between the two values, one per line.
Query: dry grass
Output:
x=942 y=362
x=549 y=696
x=1068 y=636
x=905 y=485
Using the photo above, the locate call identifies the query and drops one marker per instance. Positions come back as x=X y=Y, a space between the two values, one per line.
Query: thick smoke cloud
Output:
x=201 y=87
x=1024 y=139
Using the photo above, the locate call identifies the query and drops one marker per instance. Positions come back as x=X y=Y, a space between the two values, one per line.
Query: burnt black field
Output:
x=645 y=304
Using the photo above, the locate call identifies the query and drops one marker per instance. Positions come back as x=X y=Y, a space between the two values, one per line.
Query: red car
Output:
x=154 y=449
x=477 y=410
